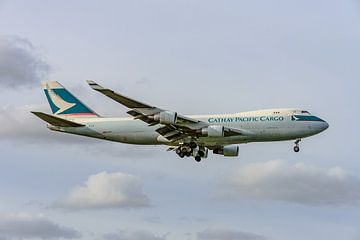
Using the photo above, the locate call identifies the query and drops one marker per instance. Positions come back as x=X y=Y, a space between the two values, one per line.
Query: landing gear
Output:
x=184 y=150
x=193 y=145
x=198 y=152
x=201 y=153
x=296 y=147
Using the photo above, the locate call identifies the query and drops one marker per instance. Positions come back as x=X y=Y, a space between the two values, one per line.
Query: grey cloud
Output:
x=298 y=183
x=132 y=235
x=222 y=234
x=106 y=190
x=20 y=63
x=23 y=226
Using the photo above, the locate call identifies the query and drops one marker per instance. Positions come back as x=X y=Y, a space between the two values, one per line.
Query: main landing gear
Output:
x=192 y=150
x=296 y=147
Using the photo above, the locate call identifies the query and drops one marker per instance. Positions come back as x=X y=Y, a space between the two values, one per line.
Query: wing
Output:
x=173 y=127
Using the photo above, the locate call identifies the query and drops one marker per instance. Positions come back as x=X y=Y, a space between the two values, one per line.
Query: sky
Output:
x=193 y=57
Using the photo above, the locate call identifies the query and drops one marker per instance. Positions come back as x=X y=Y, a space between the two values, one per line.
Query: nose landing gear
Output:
x=296 y=147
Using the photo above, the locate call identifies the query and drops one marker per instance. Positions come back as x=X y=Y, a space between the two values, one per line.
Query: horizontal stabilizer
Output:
x=56 y=121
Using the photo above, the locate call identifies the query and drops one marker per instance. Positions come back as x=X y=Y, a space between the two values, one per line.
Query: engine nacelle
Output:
x=228 y=151
x=213 y=131
x=166 y=117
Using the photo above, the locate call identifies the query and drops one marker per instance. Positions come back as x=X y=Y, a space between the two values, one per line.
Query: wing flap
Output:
x=174 y=133
x=56 y=121
x=138 y=115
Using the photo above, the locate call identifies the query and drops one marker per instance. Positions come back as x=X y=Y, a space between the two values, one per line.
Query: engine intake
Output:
x=228 y=151
x=166 y=117
x=213 y=131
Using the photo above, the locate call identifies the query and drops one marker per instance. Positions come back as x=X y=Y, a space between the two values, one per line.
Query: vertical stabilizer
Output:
x=63 y=103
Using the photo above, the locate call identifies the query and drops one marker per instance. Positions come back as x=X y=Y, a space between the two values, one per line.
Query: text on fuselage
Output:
x=246 y=119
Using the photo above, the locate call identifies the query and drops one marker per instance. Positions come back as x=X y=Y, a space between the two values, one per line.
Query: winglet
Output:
x=94 y=85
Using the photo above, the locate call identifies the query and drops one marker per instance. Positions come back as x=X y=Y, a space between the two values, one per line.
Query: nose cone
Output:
x=325 y=126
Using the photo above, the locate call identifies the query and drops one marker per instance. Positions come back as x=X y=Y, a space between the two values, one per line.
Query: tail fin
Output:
x=63 y=103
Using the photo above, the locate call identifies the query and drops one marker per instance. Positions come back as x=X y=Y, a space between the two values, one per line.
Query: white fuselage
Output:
x=261 y=126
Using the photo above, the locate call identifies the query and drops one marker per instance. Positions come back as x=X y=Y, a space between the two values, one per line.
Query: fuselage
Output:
x=261 y=126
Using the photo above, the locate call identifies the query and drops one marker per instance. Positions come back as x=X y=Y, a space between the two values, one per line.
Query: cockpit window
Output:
x=305 y=112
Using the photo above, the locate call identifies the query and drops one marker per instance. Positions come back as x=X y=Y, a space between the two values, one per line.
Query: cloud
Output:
x=20 y=63
x=208 y=234
x=132 y=235
x=106 y=190
x=298 y=183
x=18 y=123
x=221 y=234
x=23 y=226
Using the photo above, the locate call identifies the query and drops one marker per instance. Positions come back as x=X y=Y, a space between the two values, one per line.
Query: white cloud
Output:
x=132 y=235
x=19 y=123
x=20 y=63
x=298 y=183
x=222 y=234
x=24 y=226
x=106 y=190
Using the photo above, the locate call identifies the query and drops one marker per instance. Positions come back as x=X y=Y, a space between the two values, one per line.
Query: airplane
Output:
x=185 y=135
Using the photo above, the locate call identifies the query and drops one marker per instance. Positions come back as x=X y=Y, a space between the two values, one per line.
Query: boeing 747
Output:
x=186 y=135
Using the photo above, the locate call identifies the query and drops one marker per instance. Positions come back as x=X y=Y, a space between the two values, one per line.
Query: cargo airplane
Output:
x=186 y=135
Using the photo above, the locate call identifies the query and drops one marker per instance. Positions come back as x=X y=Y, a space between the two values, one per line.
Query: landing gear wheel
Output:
x=198 y=158
x=181 y=154
x=296 y=149
x=193 y=145
x=178 y=151
x=201 y=153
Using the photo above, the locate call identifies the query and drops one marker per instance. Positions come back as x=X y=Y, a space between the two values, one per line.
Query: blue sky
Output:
x=194 y=57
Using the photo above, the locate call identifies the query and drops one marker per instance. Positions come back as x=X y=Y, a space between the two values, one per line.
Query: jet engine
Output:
x=166 y=117
x=213 y=131
x=228 y=151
